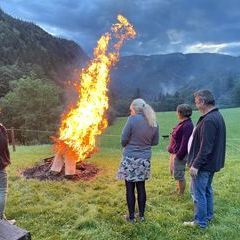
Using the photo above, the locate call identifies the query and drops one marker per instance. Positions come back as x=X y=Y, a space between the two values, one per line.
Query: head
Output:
x=204 y=100
x=140 y=106
x=184 y=111
x=137 y=106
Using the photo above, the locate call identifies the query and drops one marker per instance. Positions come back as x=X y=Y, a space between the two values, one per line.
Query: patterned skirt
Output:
x=134 y=169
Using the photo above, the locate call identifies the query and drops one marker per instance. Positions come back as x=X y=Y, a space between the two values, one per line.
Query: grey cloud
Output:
x=162 y=25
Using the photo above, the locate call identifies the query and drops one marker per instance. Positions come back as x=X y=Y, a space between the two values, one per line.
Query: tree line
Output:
x=30 y=100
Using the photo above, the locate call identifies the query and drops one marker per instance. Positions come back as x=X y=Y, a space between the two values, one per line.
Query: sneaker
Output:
x=193 y=224
x=11 y=221
x=140 y=217
x=190 y=224
x=128 y=219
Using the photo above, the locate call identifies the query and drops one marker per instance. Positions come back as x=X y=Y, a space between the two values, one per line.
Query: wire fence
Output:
x=33 y=137
x=28 y=137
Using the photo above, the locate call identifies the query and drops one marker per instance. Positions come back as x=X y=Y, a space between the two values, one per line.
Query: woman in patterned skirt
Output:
x=139 y=134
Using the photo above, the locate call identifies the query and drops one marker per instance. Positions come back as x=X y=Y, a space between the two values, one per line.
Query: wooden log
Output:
x=60 y=160
x=12 y=232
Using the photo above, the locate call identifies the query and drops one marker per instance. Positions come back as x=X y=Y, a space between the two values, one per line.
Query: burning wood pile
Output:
x=84 y=171
x=87 y=119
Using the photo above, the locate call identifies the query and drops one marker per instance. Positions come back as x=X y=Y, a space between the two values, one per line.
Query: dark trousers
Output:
x=141 y=197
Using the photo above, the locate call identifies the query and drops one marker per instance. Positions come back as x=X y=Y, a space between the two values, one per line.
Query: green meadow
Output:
x=95 y=209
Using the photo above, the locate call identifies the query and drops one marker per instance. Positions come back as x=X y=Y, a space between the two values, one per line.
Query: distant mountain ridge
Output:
x=25 y=47
x=152 y=75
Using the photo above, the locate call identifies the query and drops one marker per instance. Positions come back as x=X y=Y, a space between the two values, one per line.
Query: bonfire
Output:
x=81 y=124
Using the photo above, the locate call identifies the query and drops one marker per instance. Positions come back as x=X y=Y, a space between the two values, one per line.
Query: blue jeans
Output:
x=202 y=195
x=3 y=191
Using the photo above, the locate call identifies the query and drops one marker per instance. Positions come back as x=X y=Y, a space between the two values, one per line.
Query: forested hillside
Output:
x=35 y=67
x=25 y=47
x=167 y=79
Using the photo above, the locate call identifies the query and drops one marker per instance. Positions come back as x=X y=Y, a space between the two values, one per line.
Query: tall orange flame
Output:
x=86 y=120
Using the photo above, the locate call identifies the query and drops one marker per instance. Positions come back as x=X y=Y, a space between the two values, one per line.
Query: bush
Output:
x=32 y=104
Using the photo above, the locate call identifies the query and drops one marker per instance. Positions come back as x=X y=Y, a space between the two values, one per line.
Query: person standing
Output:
x=139 y=134
x=178 y=146
x=206 y=156
x=4 y=162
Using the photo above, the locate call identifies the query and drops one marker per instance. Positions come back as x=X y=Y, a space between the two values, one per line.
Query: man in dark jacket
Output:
x=206 y=156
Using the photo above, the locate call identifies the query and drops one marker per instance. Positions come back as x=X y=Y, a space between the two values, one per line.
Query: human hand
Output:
x=193 y=171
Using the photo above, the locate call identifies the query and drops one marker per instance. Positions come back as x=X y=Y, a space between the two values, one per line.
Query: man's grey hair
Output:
x=206 y=96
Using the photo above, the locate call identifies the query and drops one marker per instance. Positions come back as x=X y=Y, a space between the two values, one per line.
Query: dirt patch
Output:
x=84 y=171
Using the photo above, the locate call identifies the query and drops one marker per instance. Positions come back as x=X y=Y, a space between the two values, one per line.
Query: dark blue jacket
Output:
x=207 y=152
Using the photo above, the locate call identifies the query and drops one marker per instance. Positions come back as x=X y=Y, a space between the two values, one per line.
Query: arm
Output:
x=126 y=133
x=5 y=156
x=155 y=139
x=208 y=133
x=7 y=142
x=182 y=151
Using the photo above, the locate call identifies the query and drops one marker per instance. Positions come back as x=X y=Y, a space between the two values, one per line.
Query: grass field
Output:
x=94 y=209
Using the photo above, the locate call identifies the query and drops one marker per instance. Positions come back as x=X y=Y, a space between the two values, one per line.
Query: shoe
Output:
x=11 y=221
x=128 y=219
x=190 y=224
x=141 y=219
x=193 y=224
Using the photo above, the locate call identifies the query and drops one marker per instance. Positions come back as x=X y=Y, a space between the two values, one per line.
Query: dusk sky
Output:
x=163 y=26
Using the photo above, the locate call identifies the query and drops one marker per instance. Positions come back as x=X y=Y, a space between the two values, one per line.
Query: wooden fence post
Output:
x=13 y=139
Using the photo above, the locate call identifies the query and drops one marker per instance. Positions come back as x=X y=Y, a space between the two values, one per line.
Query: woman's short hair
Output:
x=184 y=110
x=206 y=96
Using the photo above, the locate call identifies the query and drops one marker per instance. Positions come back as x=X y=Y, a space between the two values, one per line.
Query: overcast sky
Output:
x=163 y=26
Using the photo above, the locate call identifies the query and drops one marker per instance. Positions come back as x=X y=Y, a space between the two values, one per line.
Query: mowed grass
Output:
x=95 y=209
